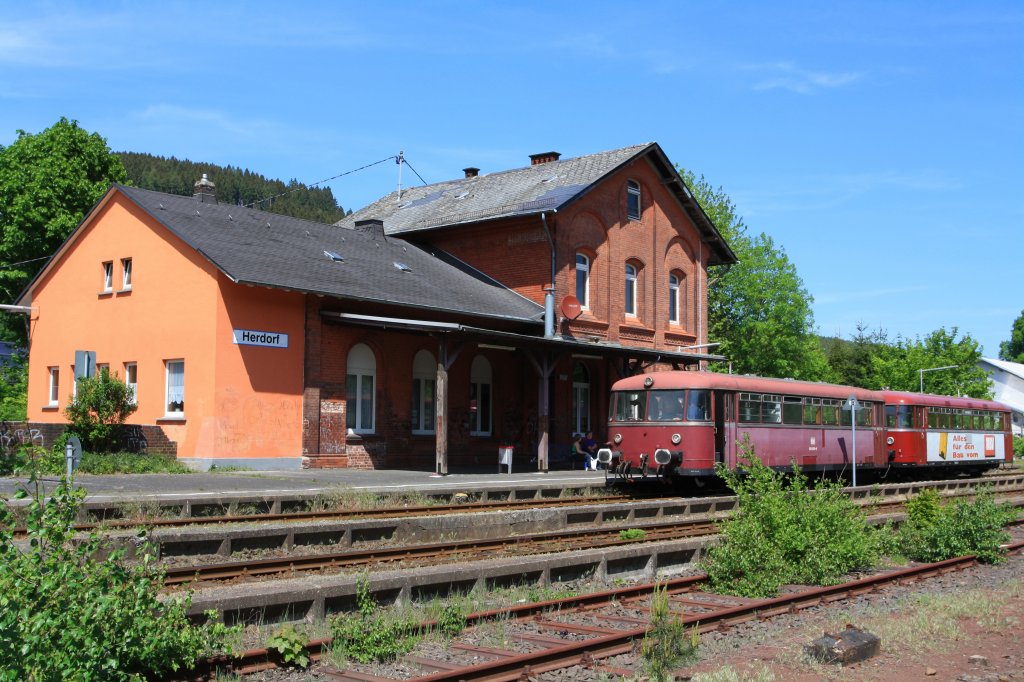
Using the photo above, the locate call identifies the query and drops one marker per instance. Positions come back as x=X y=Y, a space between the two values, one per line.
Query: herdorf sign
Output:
x=251 y=337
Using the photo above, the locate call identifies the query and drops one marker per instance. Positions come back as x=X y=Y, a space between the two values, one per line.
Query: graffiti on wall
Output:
x=15 y=435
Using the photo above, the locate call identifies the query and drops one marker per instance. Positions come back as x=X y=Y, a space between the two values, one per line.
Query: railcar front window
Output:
x=667 y=406
x=698 y=406
x=629 y=406
x=899 y=416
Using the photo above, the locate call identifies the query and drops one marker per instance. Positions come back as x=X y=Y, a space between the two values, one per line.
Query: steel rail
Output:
x=539 y=543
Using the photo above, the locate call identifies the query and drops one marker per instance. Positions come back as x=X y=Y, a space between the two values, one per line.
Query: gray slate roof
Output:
x=260 y=248
x=526 y=191
x=520 y=191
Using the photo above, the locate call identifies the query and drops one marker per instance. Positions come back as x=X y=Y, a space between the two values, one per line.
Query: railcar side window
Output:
x=698 y=406
x=865 y=415
x=829 y=411
x=750 y=407
x=771 y=409
x=667 y=406
x=812 y=410
x=629 y=406
x=792 y=409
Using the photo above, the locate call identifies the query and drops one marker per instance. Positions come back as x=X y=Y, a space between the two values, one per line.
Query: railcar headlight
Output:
x=890 y=440
x=676 y=438
x=617 y=438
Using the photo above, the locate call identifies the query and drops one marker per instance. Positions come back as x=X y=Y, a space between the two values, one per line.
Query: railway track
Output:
x=468 y=550
x=586 y=630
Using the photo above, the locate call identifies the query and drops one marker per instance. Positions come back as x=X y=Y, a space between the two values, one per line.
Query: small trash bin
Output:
x=505 y=457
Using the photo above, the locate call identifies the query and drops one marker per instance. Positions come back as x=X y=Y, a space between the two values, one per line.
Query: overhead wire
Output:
x=394 y=157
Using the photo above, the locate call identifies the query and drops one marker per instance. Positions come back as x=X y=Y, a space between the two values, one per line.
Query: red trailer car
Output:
x=933 y=431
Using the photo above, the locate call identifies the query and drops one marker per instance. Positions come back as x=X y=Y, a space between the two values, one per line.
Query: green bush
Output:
x=667 y=644
x=98 y=409
x=66 y=617
x=371 y=636
x=784 y=533
x=291 y=644
x=1018 y=446
x=934 y=532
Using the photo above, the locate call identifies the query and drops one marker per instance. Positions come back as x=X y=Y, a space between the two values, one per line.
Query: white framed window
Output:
x=631 y=276
x=131 y=379
x=360 y=380
x=480 y=397
x=580 y=398
x=633 y=200
x=583 y=279
x=673 y=298
x=424 y=384
x=108 y=276
x=54 y=385
x=126 y=274
x=175 y=387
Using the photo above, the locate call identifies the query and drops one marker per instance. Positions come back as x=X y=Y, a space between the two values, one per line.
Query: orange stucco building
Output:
x=413 y=333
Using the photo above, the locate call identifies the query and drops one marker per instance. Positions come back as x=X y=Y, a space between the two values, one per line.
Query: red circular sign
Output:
x=571 y=307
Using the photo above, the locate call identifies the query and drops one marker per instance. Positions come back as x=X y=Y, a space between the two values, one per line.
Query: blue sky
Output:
x=879 y=143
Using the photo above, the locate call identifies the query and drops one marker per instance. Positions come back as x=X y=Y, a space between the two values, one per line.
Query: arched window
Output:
x=633 y=200
x=673 y=298
x=583 y=279
x=424 y=382
x=362 y=375
x=580 y=398
x=630 y=304
x=480 y=397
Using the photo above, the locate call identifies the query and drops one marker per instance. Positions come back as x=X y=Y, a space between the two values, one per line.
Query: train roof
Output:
x=750 y=384
x=931 y=400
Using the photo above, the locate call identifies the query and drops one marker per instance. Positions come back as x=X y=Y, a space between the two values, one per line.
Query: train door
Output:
x=725 y=426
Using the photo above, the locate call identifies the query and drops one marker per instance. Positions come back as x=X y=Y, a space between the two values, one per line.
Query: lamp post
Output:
x=920 y=374
x=853 y=405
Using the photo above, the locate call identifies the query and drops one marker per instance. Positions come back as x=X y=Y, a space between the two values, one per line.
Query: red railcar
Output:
x=934 y=431
x=683 y=423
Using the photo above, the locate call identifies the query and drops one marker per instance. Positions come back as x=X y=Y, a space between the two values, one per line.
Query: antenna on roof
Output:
x=400 y=159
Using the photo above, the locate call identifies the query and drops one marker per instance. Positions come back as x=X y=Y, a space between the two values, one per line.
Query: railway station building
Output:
x=425 y=331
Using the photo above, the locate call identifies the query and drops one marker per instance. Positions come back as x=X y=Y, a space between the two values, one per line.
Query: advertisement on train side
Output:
x=952 y=446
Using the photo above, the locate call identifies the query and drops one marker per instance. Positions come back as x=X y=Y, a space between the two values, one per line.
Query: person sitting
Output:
x=590 y=445
x=579 y=452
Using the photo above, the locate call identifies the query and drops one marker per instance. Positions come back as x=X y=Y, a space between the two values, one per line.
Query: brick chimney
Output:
x=543 y=157
x=373 y=227
x=204 y=190
x=471 y=172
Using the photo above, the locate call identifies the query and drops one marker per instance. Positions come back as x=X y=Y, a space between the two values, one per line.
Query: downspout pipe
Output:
x=549 y=292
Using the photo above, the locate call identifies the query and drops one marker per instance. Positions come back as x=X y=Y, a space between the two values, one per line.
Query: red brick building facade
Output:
x=425 y=331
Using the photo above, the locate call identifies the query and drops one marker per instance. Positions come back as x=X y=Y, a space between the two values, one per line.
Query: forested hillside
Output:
x=234 y=186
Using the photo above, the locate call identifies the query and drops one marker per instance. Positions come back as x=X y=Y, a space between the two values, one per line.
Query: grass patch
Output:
x=728 y=674
x=928 y=622
x=632 y=534
x=343 y=499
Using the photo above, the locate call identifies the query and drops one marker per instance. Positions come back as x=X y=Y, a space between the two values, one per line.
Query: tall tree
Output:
x=758 y=309
x=1013 y=350
x=852 y=361
x=898 y=366
x=48 y=182
x=234 y=186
